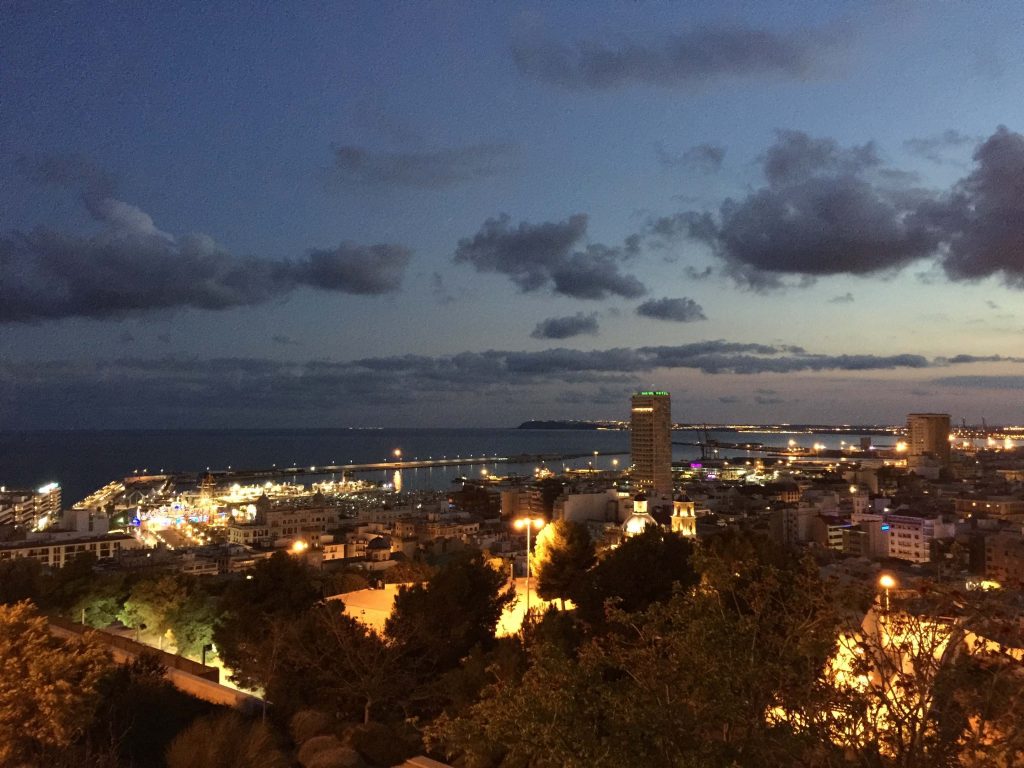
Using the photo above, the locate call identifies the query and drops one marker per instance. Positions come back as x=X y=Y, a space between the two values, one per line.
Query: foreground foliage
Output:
x=48 y=687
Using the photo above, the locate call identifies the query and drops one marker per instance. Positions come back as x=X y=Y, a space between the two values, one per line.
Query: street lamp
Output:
x=528 y=523
x=886 y=582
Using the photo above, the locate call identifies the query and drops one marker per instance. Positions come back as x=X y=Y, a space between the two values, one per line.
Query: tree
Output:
x=65 y=586
x=436 y=624
x=334 y=663
x=282 y=588
x=409 y=571
x=152 y=605
x=642 y=571
x=764 y=662
x=102 y=602
x=192 y=622
x=140 y=712
x=20 y=579
x=48 y=686
x=565 y=552
x=226 y=741
x=936 y=681
x=688 y=681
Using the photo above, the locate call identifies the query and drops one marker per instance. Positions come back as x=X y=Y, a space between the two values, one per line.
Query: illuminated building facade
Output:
x=650 y=441
x=928 y=435
x=30 y=508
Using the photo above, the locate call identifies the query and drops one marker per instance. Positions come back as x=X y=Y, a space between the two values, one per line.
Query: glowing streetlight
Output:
x=397 y=453
x=528 y=523
x=886 y=582
x=299 y=546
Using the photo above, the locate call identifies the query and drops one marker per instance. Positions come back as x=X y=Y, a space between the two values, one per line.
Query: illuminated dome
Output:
x=636 y=523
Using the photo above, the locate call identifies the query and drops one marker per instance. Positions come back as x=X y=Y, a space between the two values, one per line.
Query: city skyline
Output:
x=466 y=215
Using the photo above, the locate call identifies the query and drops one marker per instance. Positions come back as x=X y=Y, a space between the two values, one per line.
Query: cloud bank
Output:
x=690 y=57
x=131 y=267
x=830 y=210
x=429 y=169
x=131 y=390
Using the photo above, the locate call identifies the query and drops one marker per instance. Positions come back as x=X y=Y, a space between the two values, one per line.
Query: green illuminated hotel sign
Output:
x=652 y=393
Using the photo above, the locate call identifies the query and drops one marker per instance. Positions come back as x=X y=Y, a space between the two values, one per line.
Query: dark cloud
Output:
x=566 y=327
x=959 y=359
x=1014 y=383
x=131 y=267
x=846 y=298
x=828 y=210
x=692 y=273
x=600 y=396
x=797 y=157
x=682 y=310
x=935 y=148
x=284 y=340
x=823 y=212
x=349 y=268
x=729 y=399
x=768 y=400
x=594 y=274
x=704 y=158
x=249 y=391
x=984 y=215
x=534 y=256
x=424 y=169
x=692 y=57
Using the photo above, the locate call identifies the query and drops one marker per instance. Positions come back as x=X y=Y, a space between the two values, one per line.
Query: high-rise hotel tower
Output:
x=928 y=435
x=651 y=441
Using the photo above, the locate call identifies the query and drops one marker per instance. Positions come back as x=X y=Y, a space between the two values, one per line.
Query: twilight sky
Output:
x=471 y=214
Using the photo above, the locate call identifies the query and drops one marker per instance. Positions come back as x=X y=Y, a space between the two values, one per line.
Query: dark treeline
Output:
x=660 y=652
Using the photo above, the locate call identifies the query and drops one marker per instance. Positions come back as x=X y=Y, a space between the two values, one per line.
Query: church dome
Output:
x=636 y=523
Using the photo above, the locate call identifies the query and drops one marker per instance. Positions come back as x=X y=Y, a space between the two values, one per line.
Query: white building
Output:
x=57 y=553
x=32 y=509
x=911 y=536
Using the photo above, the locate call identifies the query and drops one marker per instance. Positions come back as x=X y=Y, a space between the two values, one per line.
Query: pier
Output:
x=251 y=475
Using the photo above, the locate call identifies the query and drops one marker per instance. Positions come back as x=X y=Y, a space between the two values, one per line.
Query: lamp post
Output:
x=886 y=582
x=528 y=523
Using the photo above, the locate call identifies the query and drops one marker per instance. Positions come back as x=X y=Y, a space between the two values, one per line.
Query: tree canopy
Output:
x=565 y=552
x=48 y=686
x=437 y=623
x=643 y=570
x=281 y=588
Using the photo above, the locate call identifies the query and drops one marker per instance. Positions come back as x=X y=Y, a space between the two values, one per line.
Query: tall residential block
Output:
x=651 y=441
x=928 y=435
x=30 y=508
